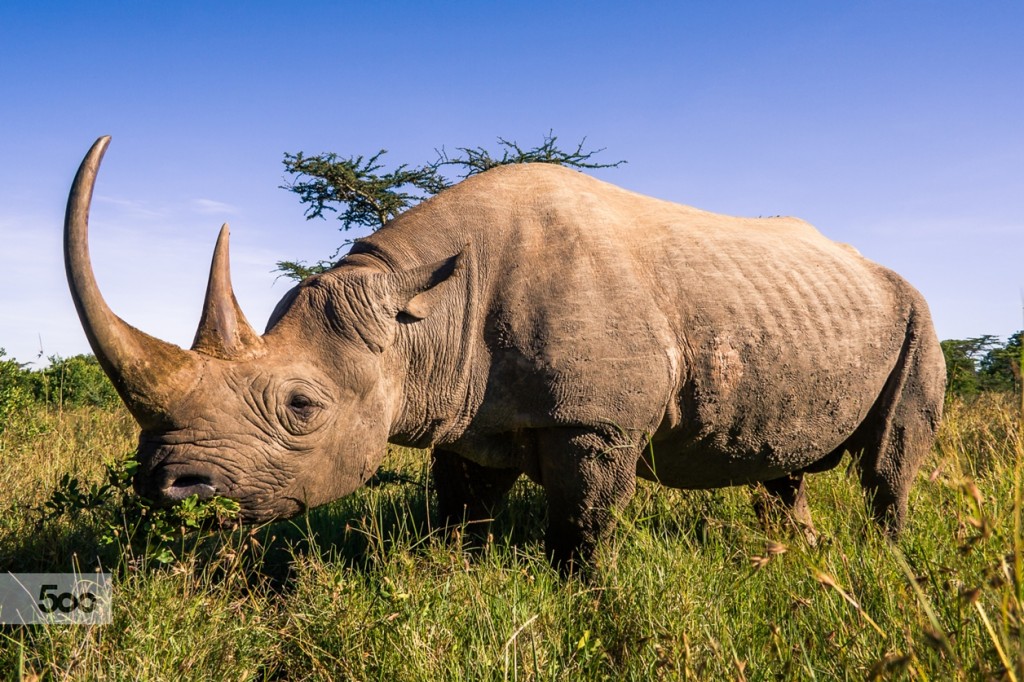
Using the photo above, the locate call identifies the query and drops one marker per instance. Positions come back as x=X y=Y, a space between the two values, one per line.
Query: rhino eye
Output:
x=302 y=406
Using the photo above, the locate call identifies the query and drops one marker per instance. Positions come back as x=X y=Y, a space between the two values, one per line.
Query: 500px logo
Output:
x=65 y=602
x=55 y=598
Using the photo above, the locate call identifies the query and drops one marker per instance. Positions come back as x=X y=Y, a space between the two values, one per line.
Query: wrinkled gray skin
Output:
x=533 y=320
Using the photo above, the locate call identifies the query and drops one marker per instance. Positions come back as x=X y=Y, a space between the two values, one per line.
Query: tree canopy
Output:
x=983 y=363
x=365 y=194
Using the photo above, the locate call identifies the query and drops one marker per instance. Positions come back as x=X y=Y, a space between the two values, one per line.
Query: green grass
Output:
x=689 y=587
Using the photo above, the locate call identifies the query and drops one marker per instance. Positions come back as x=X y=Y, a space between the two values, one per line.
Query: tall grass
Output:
x=689 y=587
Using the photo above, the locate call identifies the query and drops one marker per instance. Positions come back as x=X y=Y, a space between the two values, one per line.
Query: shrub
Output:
x=76 y=381
x=131 y=522
x=15 y=389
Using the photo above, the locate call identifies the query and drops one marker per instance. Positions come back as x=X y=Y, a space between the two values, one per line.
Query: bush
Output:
x=77 y=381
x=131 y=522
x=15 y=389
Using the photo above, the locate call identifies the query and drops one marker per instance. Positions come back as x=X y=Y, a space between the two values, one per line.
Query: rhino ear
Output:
x=417 y=292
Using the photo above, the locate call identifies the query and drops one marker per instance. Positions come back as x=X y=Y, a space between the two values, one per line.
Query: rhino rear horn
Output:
x=223 y=330
x=149 y=374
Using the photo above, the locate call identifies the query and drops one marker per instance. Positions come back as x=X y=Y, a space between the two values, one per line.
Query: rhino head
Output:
x=280 y=422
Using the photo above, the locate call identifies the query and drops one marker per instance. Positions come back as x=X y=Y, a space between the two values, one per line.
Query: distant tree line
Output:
x=973 y=366
x=983 y=364
x=77 y=381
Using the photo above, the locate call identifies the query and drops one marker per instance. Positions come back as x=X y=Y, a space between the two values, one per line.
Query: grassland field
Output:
x=691 y=586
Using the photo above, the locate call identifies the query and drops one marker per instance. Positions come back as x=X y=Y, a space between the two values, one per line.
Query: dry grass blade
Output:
x=996 y=642
x=828 y=581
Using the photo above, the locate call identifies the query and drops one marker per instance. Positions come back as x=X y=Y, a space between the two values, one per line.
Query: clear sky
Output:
x=897 y=127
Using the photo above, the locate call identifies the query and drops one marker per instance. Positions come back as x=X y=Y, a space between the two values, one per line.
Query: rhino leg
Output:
x=898 y=433
x=785 y=498
x=467 y=492
x=588 y=479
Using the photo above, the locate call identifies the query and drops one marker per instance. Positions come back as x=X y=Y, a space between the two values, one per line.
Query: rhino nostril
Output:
x=188 y=485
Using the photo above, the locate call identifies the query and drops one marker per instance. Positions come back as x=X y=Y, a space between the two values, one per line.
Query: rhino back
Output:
x=745 y=346
x=787 y=341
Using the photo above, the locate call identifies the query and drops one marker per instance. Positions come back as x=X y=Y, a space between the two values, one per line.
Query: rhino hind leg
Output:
x=900 y=429
x=785 y=500
x=589 y=478
x=468 y=493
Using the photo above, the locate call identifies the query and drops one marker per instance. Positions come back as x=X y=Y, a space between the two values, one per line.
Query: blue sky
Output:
x=893 y=126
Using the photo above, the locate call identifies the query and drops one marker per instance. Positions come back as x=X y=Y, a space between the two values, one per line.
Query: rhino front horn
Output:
x=149 y=374
x=223 y=330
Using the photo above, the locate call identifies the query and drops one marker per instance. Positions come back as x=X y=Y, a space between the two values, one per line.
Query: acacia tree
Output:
x=365 y=195
x=983 y=364
x=1000 y=368
x=962 y=356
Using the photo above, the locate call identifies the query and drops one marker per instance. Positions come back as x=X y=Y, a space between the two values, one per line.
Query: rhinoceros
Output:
x=535 y=320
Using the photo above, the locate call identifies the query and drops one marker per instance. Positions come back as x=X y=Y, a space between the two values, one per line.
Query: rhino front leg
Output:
x=467 y=492
x=588 y=479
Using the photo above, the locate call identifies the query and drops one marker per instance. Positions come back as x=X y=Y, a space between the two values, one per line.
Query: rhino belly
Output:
x=763 y=425
x=704 y=465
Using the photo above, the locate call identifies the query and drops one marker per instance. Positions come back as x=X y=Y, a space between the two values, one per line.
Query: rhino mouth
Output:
x=188 y=485
x=165 y=487
x=167 y=484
